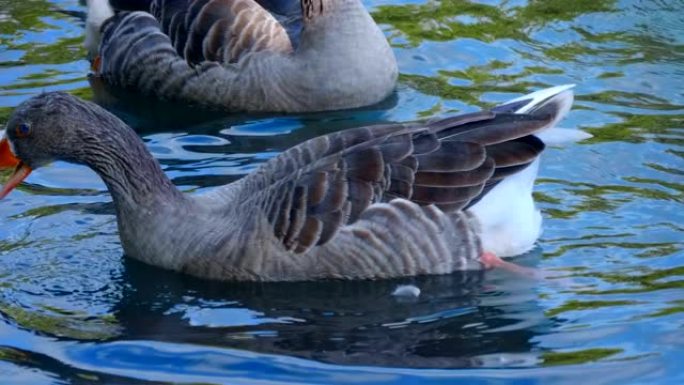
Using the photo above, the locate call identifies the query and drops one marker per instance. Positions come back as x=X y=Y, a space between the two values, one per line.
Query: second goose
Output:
x=235 y=55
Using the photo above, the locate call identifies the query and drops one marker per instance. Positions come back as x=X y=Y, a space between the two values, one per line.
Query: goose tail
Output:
x=510 y=222
x=98 y=12
x=555 y=101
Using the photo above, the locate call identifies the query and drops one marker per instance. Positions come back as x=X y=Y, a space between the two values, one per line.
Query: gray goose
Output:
x=372 y=202
x=235 y=55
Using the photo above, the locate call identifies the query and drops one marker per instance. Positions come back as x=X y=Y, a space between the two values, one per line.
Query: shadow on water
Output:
x=451 y=324
x=207 y=330
x=148 y=115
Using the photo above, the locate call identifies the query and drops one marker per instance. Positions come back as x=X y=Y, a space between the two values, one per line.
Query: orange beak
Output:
x=8 y=160
x=96 y=64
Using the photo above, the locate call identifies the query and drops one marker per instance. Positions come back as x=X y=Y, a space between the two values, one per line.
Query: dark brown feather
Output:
x=297 y=216
x=504 y=128
x=424 y=143
x=399 y=172
x=366 y=164
x=447 y=125
x=450 y=163
x=401 y=189
x=452 y=156
x=318 y=185
x=516 y=152
x=477 y=176
x=431 y=194
x=309 y=234
x=281 y=211
x=335 y=196
x=396 y=148
x=453 y=206
x=215 y=40
x=361 y=195
x=504 y=172
x=219 y=30
x=331 y=222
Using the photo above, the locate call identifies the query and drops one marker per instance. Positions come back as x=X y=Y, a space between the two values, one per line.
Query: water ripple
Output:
x=73 y=309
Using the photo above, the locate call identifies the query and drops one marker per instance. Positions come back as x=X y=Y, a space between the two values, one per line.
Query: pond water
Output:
x=74 y=310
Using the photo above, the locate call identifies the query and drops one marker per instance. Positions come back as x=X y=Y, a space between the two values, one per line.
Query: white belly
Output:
x=509 y=220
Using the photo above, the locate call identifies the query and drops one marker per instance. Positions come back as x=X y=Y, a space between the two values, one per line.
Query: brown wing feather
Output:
x=311 y=190
x=219 y=30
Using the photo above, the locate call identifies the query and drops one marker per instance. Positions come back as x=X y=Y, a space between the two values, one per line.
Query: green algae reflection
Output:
x=60 y=323
x=449 y=20
x=578 y=357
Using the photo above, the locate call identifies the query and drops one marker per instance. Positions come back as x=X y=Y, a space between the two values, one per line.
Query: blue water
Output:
x=74 y=310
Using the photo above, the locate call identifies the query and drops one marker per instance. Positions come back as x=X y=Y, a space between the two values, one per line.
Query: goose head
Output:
x=58 y=126
x=45 y=128
x=30 y=140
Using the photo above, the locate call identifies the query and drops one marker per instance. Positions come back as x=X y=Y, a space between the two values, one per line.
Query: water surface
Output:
x=74 y=310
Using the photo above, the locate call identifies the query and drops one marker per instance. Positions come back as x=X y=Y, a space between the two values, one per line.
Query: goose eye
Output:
x=23 y=130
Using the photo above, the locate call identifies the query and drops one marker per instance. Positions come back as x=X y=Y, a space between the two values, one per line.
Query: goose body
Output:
x=235 y=55
x=365 y=203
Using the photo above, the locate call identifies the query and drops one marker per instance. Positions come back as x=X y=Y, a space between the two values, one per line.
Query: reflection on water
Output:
x=72 y=309
x=340 y=322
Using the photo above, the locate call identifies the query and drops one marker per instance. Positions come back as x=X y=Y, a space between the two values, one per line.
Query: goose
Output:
x=234 y=55
x=374 y=202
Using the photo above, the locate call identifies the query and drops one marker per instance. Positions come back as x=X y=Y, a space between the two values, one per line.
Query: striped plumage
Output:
x=221 y=31
x=371 y=202
x=235 y=54
x=311 y=190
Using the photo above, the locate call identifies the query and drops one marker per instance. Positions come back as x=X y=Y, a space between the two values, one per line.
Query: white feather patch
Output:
x=556 y=136
x=540 y=96
x=509 y=221
x=406 y=291
x=98 y=12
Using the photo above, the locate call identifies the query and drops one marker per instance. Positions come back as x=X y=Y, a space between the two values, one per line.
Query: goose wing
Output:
x=310 y=191
x=221 y=31
x=287 y=12
x=289 y=15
